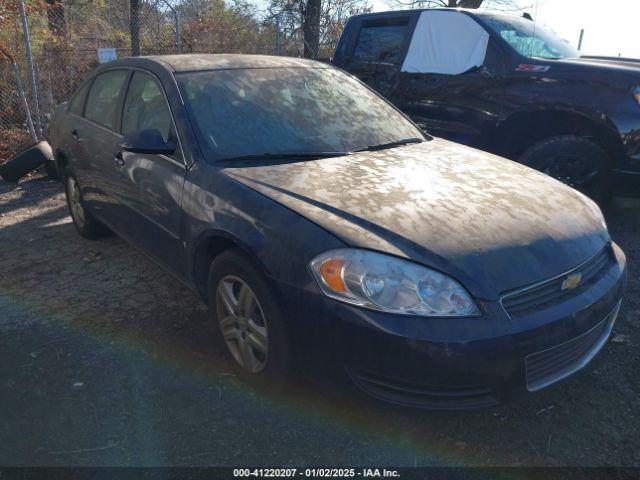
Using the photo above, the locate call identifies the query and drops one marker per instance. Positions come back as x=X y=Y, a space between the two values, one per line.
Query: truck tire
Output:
x=25 y=161
x=575 y=161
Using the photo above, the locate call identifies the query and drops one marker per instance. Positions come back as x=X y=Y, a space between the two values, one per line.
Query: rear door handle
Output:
x=117 y=158
x=74 y=134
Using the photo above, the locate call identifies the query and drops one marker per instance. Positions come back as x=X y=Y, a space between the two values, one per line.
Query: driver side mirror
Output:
x=148 y=141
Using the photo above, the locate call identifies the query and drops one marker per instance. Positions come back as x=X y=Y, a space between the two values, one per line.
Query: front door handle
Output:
x=118 y=159
x=74 y=134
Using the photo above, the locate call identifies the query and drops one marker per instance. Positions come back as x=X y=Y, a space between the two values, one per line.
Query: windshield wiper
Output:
x=281 y=155
x=396 y=143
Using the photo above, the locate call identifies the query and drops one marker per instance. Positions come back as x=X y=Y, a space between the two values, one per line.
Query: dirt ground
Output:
x=106 y=360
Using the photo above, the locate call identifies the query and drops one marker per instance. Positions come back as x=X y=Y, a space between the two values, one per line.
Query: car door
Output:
x=76 y=144
x=378 y=52
x=151 y=185
x=98 y=139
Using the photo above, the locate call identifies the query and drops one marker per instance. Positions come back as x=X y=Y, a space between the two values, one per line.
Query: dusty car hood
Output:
x=492 y=223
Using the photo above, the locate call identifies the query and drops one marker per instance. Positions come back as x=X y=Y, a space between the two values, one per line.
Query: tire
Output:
x=273 y=365
x=85 y=223
x=25 y=161
x=575 y=161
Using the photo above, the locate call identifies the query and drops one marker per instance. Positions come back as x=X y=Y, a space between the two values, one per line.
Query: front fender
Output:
x=280 y=241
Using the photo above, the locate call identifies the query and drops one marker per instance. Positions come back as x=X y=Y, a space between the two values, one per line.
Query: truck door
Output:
x=448 y=82
x=378 y=51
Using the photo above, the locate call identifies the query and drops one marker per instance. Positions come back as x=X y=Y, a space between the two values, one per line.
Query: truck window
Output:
x=381 y=41
x=446 y=43
x=529 y=39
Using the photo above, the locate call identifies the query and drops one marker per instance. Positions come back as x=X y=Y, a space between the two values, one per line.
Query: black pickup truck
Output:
x=504 y=84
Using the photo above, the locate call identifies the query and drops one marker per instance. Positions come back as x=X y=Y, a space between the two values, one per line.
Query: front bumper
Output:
x=456 y=363
x=557 y=363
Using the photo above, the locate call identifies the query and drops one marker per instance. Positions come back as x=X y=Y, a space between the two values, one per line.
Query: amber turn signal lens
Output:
x=331 y=272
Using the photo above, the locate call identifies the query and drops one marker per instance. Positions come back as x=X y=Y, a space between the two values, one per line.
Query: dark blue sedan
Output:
x=328 y=234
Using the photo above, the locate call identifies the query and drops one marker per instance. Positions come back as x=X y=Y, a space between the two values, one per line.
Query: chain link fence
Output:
x=48 y=47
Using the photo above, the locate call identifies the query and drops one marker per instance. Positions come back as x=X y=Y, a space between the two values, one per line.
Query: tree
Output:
x=55 y=18
x=311 y=28
x=451 y=3
x=216 y=26
x=134 y=26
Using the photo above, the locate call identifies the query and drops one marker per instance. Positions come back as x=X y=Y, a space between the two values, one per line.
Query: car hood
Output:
x=493 y=224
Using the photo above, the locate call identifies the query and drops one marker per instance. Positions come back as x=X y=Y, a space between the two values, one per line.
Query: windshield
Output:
x=270 y=110
x=530 y=39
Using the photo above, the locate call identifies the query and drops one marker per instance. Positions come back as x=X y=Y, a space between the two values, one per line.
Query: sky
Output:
x=609 y=31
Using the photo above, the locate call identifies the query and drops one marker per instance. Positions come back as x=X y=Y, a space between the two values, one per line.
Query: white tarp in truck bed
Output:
x=446 y=42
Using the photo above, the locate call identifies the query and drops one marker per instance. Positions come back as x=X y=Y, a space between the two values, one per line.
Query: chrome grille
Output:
x=554 y=364
x=549 y=293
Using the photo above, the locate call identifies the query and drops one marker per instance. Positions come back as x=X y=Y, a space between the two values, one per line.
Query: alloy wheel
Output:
x=242 y=323
x=75 y=202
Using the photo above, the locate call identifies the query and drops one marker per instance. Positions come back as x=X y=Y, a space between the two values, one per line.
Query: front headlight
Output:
x=390 y=284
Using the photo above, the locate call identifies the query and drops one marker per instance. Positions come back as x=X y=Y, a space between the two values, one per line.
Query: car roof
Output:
x=200 y=62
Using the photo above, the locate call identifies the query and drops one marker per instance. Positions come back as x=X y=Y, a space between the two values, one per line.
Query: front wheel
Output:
x=575 y=161
x=249 y=322
x=85 y=223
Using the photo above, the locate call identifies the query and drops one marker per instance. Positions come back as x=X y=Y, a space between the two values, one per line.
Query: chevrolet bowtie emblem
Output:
x=572 y=281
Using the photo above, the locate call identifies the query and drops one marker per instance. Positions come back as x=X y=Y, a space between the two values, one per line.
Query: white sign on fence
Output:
x=106 y=55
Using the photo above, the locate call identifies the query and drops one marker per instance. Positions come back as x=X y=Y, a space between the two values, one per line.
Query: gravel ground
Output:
x=105 y=360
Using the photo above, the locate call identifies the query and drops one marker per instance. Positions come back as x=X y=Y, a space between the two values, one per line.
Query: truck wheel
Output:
x=84 y=221
x=249 y=322
x=575 y=161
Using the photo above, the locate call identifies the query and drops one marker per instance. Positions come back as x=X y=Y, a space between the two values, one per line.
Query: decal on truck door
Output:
x=525 y=67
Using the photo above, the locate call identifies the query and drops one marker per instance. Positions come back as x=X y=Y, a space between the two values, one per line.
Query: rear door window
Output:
x=77 y=102
x=381 y=41
x=103 y=102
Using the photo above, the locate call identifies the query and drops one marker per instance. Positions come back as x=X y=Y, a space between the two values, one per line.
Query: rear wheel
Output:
x=575 y=161
x=250 y=324
x=84 y=221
